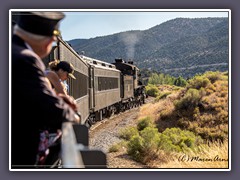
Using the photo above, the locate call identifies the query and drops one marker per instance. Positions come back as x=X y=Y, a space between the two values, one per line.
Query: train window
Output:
x=78 y=87
x=106 y=83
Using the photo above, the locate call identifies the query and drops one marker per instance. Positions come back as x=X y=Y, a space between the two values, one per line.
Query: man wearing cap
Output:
x=35 y=105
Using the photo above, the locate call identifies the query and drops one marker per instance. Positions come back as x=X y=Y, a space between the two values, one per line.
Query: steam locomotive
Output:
x=100 y=89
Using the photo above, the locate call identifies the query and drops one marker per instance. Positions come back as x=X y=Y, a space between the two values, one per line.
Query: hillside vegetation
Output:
x=178 y=47
x=187 y=127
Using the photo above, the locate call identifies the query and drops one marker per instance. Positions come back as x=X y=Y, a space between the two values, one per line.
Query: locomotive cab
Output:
x=129 y=69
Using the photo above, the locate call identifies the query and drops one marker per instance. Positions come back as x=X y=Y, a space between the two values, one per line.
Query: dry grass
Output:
x=149 y=110
x=215 y=155
x=154 y=109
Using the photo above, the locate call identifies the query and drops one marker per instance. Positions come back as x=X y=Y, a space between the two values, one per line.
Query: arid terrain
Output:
x=106 y=133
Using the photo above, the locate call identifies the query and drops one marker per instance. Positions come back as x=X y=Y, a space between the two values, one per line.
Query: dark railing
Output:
x=75 y=150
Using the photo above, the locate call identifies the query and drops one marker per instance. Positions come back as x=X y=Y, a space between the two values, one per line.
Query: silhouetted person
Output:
x=35 y=106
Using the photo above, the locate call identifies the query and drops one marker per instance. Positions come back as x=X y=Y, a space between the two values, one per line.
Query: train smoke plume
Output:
x=130 y=39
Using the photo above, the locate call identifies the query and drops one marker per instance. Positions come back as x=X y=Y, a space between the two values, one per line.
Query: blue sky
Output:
x=93 y=23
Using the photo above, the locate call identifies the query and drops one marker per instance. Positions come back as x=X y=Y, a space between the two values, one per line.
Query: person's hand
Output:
x=69 y=100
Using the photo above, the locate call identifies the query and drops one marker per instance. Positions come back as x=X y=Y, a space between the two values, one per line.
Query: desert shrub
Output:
x=128 y=133
x=145 y=144
x=183 y=122
x=135 y=147
x=152 y=90
x=114 y=148
x=189 y=100
x=163 y=95
x=178 y=140
x=151 y=138
x=198 y=81
x=196 y=114
x=213 y=76
x=144 y=122
x=216 y=99
x=117 y=146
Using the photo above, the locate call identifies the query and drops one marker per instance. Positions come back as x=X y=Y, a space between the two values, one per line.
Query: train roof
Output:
x=99 y=63
x=69 y=47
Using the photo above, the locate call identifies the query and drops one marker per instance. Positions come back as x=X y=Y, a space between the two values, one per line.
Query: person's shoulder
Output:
x=20 y=48
x=51 y=75
x=32 y=59
x=25 y=55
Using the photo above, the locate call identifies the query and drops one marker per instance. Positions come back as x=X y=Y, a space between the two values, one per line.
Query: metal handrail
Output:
x=75 y=151
x=71 y=157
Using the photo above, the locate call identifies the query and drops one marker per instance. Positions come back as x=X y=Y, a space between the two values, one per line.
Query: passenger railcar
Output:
x=104 y=88
x=100 y=89
x=78 y=88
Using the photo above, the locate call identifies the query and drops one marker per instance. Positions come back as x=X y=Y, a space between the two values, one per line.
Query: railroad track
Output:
x=99 y=123
x=106 y=132
x=106 y=120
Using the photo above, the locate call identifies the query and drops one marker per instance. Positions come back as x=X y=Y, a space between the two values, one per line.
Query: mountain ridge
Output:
x=175 y=44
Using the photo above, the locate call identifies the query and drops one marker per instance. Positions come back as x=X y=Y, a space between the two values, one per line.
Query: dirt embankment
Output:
x=106 y=133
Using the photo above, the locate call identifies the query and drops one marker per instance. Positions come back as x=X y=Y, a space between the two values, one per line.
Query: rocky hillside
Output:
x=179 y=47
